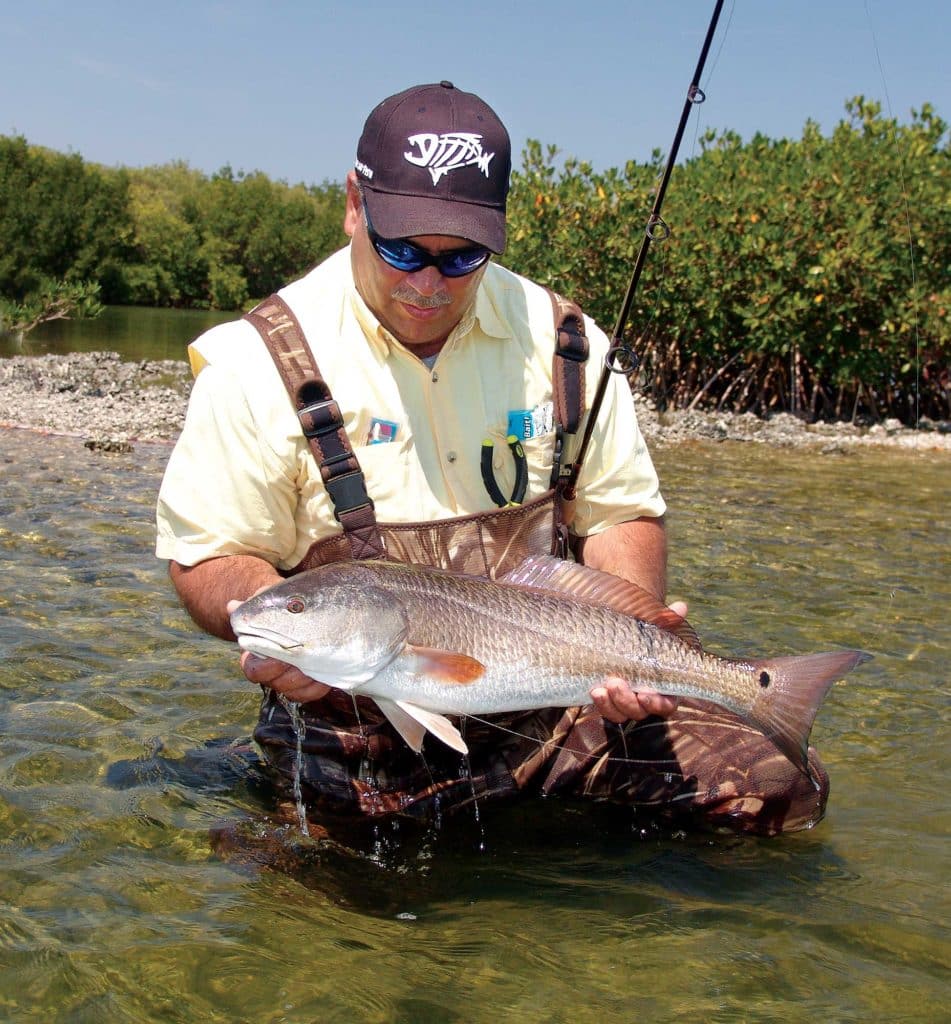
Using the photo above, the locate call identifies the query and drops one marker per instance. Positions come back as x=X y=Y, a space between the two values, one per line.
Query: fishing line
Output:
x=710 y=73
x=677 y=329
x=908 y=227
x=579 y=753
x=656 y=228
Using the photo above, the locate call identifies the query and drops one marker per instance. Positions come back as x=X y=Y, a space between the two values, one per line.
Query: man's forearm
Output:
x=206 y=588
x=636 y=551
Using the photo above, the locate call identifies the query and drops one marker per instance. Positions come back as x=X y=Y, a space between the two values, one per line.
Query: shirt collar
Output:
x=483 y=311
x=485 y=308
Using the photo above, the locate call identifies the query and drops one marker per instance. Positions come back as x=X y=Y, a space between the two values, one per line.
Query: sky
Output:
x=284 y=87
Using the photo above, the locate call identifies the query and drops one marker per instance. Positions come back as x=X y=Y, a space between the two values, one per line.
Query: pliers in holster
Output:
x=521 y=472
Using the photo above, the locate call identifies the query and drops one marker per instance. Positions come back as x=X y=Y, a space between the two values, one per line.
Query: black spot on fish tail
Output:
x=791 y=689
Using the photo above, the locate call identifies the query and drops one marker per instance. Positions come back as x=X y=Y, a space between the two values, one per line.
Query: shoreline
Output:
x=111 y=404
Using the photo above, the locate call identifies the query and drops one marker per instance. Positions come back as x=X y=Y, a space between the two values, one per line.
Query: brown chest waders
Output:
x=354 y=763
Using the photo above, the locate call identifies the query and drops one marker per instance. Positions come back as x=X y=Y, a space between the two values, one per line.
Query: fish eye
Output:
x=295 y=605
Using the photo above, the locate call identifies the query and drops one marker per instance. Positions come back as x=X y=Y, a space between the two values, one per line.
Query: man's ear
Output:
x=353 y=213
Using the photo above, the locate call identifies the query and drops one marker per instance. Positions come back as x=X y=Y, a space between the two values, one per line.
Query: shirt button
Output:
x=450 y=456
x=435 y=377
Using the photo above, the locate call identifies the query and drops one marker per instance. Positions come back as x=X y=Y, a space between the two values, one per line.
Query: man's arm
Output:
x=635 y=551
x=210 y=589
x=206 y=588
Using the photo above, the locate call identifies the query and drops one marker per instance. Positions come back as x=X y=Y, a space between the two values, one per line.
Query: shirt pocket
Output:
x=390 y=472
x=387 y=471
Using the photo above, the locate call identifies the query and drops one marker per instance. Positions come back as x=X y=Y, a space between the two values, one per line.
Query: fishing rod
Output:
x=656 y=228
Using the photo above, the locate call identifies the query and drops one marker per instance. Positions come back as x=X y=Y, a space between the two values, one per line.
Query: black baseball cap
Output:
x=433 y=160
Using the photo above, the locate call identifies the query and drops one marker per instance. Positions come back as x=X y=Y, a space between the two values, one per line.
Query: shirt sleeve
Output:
x=225 y=490
x=618 y=481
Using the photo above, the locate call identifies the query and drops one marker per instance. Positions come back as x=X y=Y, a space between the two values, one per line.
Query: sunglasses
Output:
x=408 y=257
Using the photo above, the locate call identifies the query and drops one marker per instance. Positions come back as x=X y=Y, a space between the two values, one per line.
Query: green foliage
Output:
x=788 y=281
x=260 y=234
x=158 y=236
x=577 y=231
x=809 y=275
x=169 y=268
x=49 y=300
x=60 y=219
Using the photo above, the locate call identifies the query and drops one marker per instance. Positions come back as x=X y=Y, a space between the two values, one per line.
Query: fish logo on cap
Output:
x=450 y=151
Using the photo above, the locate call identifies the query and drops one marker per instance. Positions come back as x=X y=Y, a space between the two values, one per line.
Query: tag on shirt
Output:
x=526 y=423
x=382 y=431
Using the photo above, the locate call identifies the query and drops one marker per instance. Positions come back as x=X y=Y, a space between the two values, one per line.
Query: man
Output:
x=427 y=348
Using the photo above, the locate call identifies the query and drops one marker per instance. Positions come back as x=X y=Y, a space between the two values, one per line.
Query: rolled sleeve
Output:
x=225 y=491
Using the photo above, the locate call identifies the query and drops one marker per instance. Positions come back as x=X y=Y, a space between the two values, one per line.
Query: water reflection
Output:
x=135 y=332
x=144 y=876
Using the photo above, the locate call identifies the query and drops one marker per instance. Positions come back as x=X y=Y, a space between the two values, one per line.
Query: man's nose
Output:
x=427 y=281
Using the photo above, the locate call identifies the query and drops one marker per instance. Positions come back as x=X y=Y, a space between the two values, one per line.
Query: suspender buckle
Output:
x=348 y=493
x=320 y=418
x=557 y=452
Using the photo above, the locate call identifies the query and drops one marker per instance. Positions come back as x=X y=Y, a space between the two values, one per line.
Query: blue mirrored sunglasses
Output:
x=401 y=254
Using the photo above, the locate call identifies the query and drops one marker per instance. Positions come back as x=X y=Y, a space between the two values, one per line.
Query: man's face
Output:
x=419 y=308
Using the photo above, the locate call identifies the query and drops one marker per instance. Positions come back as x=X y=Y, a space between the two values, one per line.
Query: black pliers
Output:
x=521 y=472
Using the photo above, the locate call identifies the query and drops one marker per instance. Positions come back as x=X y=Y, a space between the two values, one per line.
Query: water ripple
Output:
x=143 y=876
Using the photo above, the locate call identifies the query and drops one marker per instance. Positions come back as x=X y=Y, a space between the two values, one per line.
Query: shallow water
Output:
x=122 y=766
x=135 y=332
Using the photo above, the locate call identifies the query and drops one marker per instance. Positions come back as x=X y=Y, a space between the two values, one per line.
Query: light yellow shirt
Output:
x=241 y=478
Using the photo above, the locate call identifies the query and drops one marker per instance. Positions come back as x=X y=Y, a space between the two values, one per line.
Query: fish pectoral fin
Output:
x=448 y=667
x=413 y=722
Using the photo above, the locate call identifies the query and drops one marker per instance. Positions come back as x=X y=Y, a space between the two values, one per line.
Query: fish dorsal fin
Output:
x=447 y=667
x=592 y=586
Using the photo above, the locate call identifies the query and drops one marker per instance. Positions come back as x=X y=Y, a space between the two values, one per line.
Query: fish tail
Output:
x=790 y=692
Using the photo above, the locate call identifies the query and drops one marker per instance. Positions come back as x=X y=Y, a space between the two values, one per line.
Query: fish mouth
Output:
x=260 y=640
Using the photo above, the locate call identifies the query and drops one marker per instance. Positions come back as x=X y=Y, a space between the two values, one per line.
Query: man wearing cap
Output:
x=424 y=348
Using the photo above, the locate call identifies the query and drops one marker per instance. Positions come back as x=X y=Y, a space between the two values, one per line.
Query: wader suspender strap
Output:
x=567 y=377
x=322 y=422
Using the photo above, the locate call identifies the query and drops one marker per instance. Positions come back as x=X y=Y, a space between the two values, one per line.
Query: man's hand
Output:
x=283 y=678
x=279 y=676
x=618 y=703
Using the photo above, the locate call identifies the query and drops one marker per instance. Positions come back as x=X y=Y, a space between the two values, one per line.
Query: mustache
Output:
x=406 y=293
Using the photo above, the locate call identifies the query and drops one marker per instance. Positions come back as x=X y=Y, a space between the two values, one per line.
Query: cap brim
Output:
x=400 y=216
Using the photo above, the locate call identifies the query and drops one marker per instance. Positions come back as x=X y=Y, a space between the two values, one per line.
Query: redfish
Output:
x=425 y=644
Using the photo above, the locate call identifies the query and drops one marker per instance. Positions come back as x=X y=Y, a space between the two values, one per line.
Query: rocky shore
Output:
x=111 y=404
